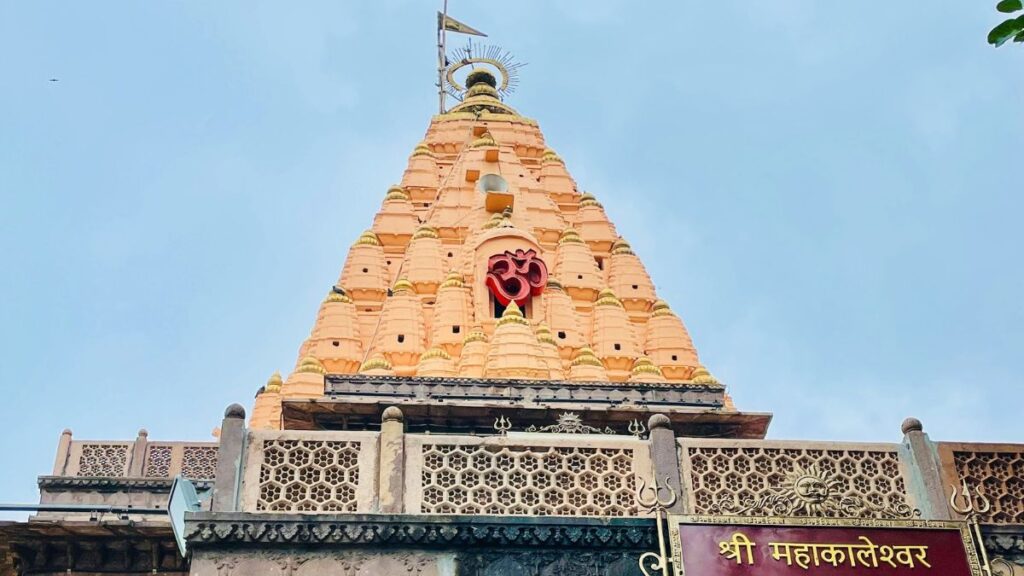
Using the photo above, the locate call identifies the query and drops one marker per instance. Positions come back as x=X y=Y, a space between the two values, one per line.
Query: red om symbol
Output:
x=516 y=276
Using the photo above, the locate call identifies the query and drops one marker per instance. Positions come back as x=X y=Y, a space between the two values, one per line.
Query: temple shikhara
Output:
x=494 y=386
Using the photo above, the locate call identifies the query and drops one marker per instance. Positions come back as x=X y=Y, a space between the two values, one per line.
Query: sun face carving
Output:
x=809 y=491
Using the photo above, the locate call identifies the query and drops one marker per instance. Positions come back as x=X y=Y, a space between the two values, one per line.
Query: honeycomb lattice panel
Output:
x=538 y=481
x=109 y=460
x=158 y=461
x=730 y=478
x=308 y=476
x=1000 y=478
x=199 y=462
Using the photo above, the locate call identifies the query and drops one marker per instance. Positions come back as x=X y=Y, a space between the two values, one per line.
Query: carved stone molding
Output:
x=75 y=483
x=438 y=532
x=1006 y=544
x=549 y=563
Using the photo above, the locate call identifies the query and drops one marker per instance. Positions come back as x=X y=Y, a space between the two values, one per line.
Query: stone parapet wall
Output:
x=140 y=458
x=993 y=471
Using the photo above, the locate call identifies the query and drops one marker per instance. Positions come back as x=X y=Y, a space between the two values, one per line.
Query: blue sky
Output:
x=828 y=193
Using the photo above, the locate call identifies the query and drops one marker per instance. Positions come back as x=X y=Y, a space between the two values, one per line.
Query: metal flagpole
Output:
x=441 y=52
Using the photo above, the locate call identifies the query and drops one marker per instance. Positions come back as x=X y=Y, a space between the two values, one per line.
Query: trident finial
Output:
x=502 y=425
x=653 y=500
x=637 y=428
x=967 y=505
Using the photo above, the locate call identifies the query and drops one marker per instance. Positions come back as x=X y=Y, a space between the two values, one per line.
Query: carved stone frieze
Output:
x=1006 y=548
x=550 y=563
x=444 y=532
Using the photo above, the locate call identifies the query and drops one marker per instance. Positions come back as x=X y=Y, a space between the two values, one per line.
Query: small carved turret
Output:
x=266 y=412
x=630 y=281
x=564 y=321
x=669 y=345
x=397 y=221
x=474 y=354
x=614 y=340
x=402 y=337
x=704 y=378
x=644 y=371
x=452 y=315
x=420 y=179
x=555 y=180
x=335 y=339
x=307 y=381
x=549 y=351
x=377 y=366
x=436 y=362
x=514 y=352
x=593 y=224
x=586 y=367
x=577 y=270
x=423 y=261
x=365 y=275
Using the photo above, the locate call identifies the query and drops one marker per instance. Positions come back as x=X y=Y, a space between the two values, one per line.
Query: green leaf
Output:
x=1019 y=37
x=1006 y=30
x=1009 y=6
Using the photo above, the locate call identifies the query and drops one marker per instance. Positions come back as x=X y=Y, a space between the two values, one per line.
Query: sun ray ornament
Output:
x=463 y=60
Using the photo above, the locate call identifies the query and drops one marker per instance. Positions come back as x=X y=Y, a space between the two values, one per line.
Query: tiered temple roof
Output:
x=486 y=261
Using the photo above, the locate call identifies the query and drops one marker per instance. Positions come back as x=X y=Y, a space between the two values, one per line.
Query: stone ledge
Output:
x=210 y=529
x=78 y=483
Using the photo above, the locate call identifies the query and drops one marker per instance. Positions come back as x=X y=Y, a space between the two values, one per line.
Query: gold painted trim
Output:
x=674 y=520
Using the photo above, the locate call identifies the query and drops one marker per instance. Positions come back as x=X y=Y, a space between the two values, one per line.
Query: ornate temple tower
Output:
x=505 y=277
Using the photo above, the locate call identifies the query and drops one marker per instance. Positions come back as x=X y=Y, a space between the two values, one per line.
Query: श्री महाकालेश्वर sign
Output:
x=772 y=547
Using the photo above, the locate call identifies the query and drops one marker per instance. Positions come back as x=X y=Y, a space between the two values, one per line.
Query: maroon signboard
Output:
x=733 y=546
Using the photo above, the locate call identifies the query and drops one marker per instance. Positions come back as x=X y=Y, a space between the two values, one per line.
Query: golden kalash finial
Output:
x=423 y=150
x=544 y=335
x=607 y=298
x=369 y=238
x=661 y=308
x=644 y=368
x=570 y=235
x=475 y=335
x=512 y=315
x=586 y=357
x=550 y=156
x=377 y=365
x=396 y=192
x=588 y=199
x=703 y=377
x=274 y=383
x=621 y=247
x=453 y=280
x=311 y=365
x=403 y=286
x=482 y=92
x=425 y=231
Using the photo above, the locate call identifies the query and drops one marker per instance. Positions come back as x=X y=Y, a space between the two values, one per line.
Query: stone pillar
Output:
x=665 y=458
x=925 y=472
x=229 y=460
x=63 y=447
x=391 y=466
x=138 y=454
